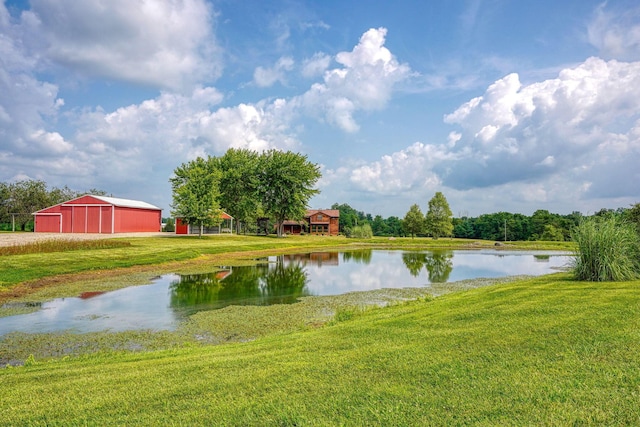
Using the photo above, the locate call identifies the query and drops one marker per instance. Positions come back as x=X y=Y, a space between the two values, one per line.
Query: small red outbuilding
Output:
x=99 y=214
x=225 y=227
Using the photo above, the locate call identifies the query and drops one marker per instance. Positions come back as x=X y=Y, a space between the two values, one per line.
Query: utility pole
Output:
x=505 y=230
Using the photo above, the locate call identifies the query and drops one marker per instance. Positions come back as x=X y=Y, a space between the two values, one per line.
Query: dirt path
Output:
x=9 y=239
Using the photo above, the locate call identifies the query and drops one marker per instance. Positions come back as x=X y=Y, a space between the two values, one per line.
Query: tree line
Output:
x=500 y=226
x=541 y=225
x=248 y=185
x=18 y=200
x=437 y=222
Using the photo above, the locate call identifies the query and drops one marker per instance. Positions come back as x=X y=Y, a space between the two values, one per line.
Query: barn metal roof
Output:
x=127 y=203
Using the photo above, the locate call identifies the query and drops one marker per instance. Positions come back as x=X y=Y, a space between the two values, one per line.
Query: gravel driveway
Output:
x=9 y=239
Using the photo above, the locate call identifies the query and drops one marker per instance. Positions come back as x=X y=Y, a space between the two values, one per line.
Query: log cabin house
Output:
x=316 y=221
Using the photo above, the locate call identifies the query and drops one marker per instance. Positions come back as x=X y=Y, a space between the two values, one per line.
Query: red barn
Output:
x=98 y=214
x=225 y=227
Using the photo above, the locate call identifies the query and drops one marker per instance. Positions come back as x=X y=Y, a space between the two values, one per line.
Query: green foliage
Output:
x=607 y=250
x=413 y=222
x=379 y=227
x=464 y=228
x=169 y=225
x=634 y=216
x=239 y=186
x=361 y=232
x=438 y=220
x=196 y=193
x=349 y=217
x=394 y=226
x=502 y=226
x=21 y=199
x=552 y=234
x=286 y=183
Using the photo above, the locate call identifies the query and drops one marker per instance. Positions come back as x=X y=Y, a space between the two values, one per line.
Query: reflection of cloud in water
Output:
x=497 y=264
x=384 y=271
x=387 y=270
x=132 y=308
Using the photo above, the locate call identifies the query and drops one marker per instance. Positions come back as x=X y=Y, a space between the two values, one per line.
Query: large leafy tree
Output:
x=239 y=185
x=286 y=182
x=196 y=193
x=24 y=198
x=413 y=221
x=380 y=227
x=439 y=219
x=394 y=225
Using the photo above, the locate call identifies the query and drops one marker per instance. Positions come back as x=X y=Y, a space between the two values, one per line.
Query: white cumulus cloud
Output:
x=316 y=65
x=364 y=82
x=265 y=77
x=615 y=33
x=402 y=170
x=558 y=141
x=167 y=44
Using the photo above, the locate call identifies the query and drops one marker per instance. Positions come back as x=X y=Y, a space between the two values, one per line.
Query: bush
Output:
x=170 y=226
x=361 y=232
x=607 y=250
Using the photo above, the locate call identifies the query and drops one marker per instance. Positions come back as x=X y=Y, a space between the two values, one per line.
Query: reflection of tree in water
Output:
x=439 y=265
x=194 y=289
x=284 y=283
x=261 y=284
x=362 y=256
x=414 y=261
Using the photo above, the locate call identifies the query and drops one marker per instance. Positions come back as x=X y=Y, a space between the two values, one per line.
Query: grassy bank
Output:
x=544 y=351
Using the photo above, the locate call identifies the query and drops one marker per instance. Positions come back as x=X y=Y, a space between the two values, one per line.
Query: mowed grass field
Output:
x=542 y=351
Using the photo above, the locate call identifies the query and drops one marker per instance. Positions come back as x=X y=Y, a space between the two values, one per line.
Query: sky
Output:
x=501 y=105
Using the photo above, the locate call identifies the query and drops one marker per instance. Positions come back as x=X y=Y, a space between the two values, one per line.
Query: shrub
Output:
x=170 y=226
x=607 y=250
x=361 y=232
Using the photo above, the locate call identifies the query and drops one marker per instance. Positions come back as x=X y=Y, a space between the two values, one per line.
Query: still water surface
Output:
x=162 y=304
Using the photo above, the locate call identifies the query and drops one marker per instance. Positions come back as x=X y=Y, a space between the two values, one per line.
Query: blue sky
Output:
x=501 y=105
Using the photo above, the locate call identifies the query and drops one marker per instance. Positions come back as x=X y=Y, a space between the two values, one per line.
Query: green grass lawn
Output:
x=543 y=351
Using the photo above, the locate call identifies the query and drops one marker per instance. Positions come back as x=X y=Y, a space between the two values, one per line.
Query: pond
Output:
x=172 y=298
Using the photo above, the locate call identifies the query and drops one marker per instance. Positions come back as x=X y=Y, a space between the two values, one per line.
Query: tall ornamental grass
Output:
x=607 y=250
